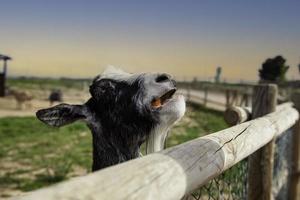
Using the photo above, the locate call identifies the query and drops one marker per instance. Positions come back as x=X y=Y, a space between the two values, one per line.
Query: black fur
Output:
x=118 y=113
x=120 y=123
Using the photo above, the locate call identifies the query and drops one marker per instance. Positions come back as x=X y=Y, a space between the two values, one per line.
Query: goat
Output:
x=123 y=112
x=55 y=95
x=21 y=98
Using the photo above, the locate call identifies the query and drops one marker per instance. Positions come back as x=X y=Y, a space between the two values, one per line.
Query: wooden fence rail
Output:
x=219 y=100
x=175 y=172
x=225 y=97
x=235 y=114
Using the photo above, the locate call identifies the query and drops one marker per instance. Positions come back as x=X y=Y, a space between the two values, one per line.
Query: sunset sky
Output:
x=73 y=38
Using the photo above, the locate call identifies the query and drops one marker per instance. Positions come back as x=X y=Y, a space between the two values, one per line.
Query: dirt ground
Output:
x=9 y=107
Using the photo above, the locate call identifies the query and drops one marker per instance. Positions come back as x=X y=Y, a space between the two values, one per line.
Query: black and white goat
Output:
x=123 y=112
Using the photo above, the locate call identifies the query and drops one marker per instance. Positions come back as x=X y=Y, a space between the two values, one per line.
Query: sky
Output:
x=79 y=38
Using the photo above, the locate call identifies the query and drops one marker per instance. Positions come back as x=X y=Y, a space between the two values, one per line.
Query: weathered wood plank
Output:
x=260 y=168
x=174 y=172
x=235 y=115
x=295 y=182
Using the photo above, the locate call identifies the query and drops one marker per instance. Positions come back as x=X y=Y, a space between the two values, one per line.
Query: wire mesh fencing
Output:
x=232 y=184
x=228 y=186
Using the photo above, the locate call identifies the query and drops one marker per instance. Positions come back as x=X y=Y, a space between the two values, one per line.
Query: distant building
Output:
x=218 y=74
x=3 y=74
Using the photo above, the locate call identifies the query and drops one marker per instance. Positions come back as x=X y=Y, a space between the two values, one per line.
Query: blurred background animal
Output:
x=23 y=98
x=55 y=96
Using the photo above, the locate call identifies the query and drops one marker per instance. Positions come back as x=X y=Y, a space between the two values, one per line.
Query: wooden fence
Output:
x=221 y=97
x=218 y=99
x=177 y=171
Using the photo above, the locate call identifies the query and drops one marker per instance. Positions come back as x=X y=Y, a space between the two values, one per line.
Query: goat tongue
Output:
x=156 y=103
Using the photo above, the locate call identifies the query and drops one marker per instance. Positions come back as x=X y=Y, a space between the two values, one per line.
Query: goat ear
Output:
x=61 y=114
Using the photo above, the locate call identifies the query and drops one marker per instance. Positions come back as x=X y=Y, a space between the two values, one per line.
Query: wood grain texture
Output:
x=295 y=182
x=235 y=114
x=174 y=172
x=260 y=168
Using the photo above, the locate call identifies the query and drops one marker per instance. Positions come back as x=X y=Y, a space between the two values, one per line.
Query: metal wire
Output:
x=228 y=186
x=232 y=184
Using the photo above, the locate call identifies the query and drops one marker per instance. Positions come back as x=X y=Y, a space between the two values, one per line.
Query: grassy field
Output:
x=47 y=83
x=33 y=155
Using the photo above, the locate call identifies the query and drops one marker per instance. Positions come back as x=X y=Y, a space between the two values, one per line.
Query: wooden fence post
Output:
x=227 y=98
x=244 y=100
x=295 y=182
x=205 y=96
x=188 y=93
x=234 y=100
x=260 y=169
x=247 y=99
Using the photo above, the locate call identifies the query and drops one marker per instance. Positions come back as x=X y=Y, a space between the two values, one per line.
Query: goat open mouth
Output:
x=159 y=102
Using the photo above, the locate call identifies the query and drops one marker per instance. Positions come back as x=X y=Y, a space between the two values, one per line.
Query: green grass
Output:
x=198 y=121
x=47 y=83
x=33 y=155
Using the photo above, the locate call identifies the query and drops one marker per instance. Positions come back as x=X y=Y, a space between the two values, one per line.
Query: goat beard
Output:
x=156 y=139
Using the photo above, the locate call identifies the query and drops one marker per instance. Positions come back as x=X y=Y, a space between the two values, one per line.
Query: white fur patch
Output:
x=168 y=117
x=117 y=74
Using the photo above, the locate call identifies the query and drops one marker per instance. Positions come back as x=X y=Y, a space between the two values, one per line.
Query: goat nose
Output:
x=163 y=78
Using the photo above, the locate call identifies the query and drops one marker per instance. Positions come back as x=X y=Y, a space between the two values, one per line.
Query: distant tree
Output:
x=273 y=69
